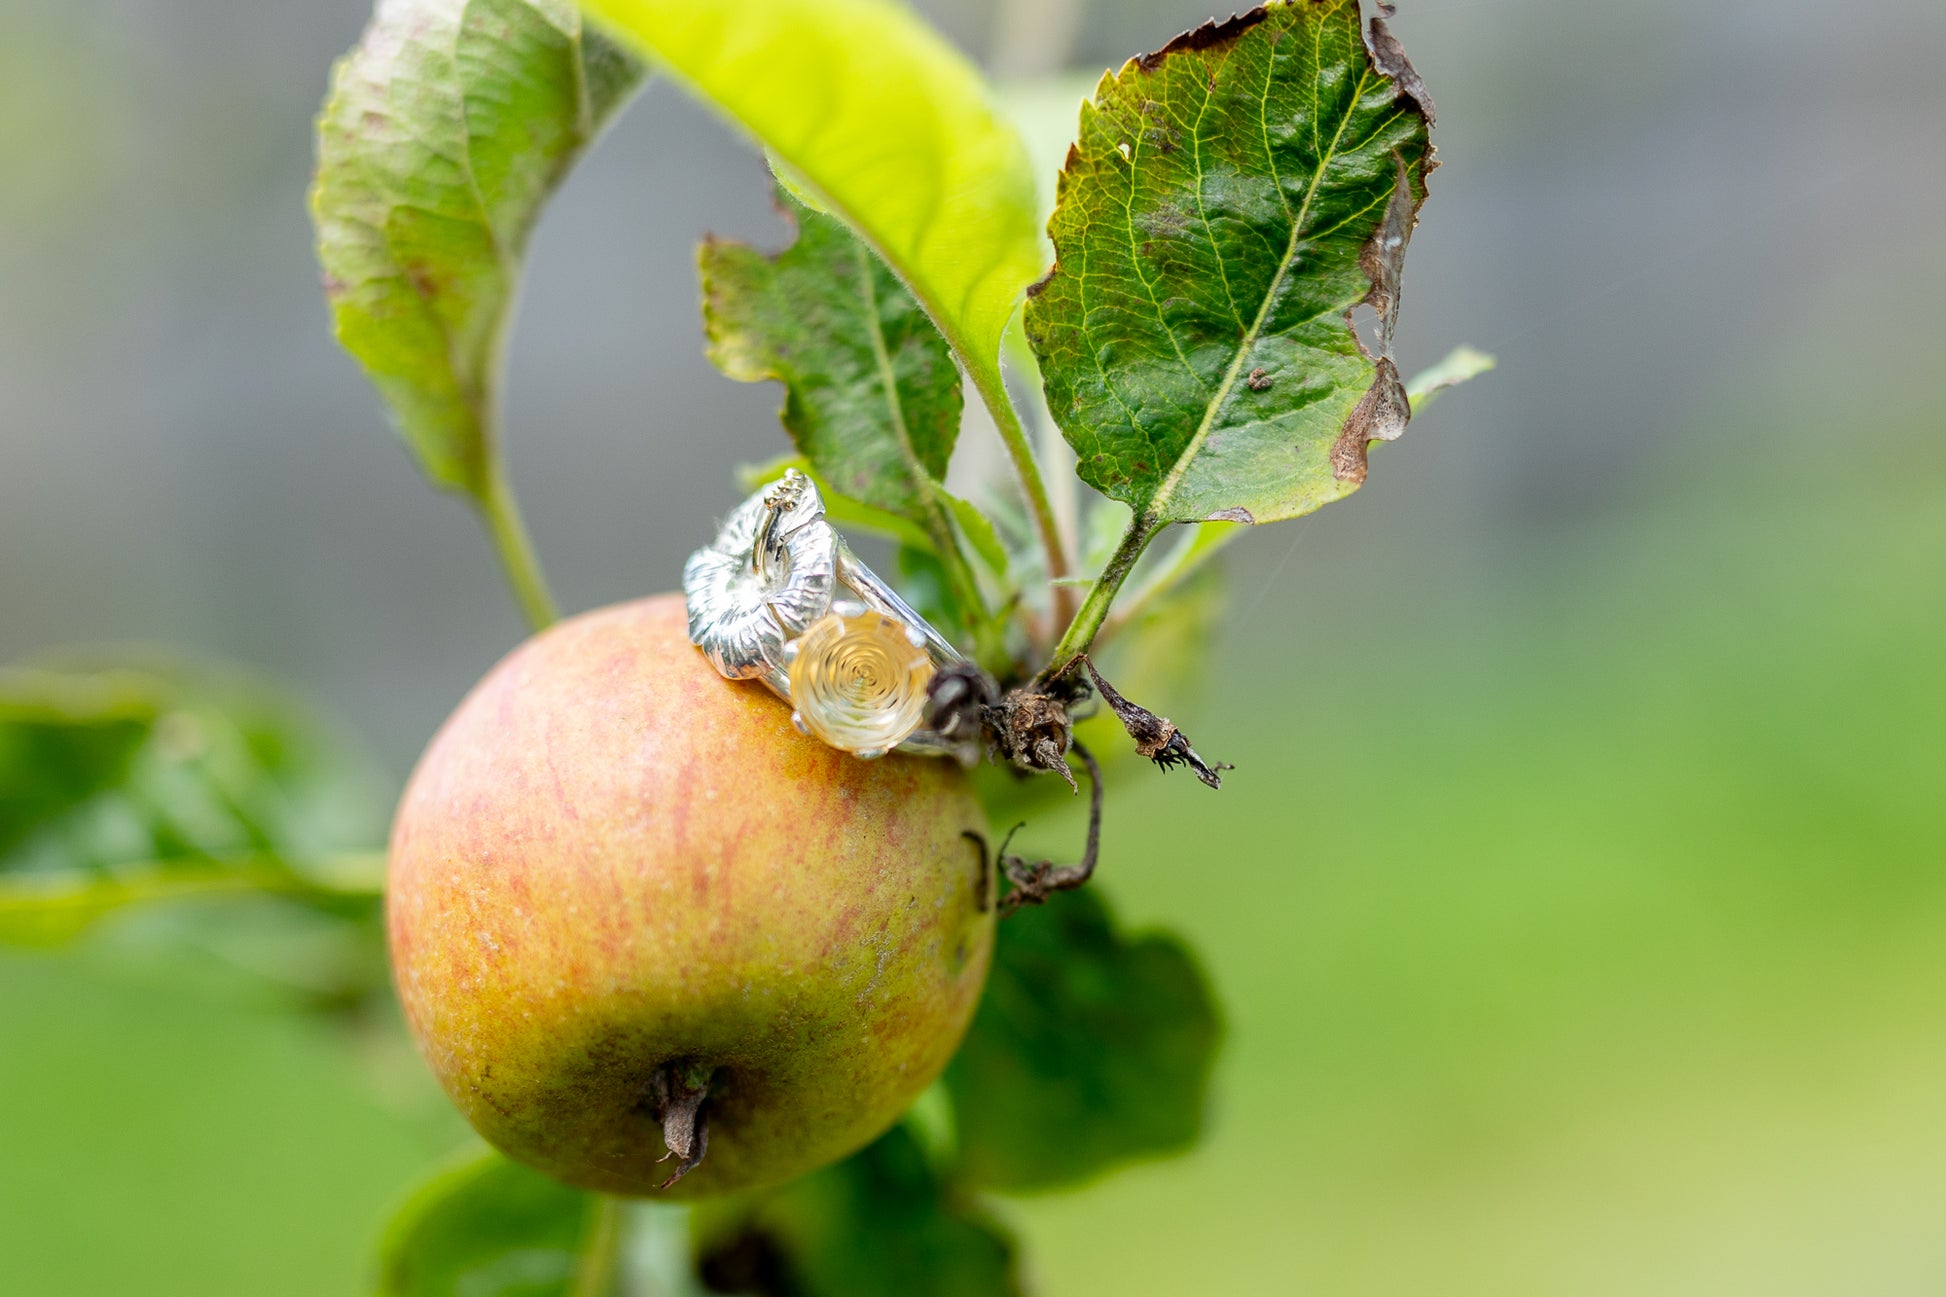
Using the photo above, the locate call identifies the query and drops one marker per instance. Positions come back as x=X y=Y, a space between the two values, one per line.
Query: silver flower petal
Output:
x=743 y=605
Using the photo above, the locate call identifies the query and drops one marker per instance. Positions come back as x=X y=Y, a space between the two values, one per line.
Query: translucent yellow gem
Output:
x=858 y=682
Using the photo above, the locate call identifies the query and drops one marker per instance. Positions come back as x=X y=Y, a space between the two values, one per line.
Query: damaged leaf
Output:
x=491 y=1226
x=1090 y=1048
x=1230 y=200
x=446 y=130
x=872 y=395
x=881 y=1223
x=873 y=115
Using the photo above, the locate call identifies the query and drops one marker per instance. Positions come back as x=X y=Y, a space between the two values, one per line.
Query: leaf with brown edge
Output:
x=446 y=130
x=1230 y=200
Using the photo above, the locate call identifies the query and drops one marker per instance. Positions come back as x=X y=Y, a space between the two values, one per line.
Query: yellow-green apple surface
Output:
x=626 y=894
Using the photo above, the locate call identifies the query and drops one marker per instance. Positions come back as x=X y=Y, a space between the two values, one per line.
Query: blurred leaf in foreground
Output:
x=492 y=1228
x=881 y=1223
x=1089 y=1048
x=132 y=781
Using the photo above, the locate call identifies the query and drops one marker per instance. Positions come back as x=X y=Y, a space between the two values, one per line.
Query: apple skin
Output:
x=611 y=859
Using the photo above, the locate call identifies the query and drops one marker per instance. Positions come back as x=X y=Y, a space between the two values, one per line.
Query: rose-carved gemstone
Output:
x=858 y=680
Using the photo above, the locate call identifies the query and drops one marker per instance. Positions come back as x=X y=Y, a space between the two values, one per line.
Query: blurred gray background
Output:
x=1579 y=897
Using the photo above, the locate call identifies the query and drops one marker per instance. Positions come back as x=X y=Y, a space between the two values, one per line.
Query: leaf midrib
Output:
x=1159 y=500
x=480 y=391
x=922 y=480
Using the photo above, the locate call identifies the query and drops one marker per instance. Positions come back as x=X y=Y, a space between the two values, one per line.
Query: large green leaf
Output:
x=871 y=113
x=881 y=1223
x=445 y=131
x=131 y=781
x=1090 y=1048
x=1224 y=209
x=872 y=395
x=492 y=1228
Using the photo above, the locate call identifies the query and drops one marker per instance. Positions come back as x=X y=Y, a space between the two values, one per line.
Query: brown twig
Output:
x=1034 y=882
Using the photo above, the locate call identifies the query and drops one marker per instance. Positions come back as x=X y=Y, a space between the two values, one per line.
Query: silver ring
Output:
x=780 y=598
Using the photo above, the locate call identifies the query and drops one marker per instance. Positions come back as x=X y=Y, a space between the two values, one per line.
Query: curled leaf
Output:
x=446 y=130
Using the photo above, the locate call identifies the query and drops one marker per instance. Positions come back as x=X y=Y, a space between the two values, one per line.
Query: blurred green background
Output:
x=1579 y=901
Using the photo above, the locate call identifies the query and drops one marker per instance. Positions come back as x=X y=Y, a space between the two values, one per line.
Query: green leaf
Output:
x=981 y=534
x=492 y=1228
x=1461 y=365
x=1229 y=201
x=872 y=395
x=1089 y=1048
x=132 y=781
x=881 y=1223
x=445 y=131
x=878 y=120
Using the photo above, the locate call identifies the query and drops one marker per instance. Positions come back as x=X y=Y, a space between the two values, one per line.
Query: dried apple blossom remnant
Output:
x=859 y=680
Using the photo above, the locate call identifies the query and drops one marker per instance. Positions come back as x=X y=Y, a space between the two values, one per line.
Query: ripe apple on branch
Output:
x=693 y=895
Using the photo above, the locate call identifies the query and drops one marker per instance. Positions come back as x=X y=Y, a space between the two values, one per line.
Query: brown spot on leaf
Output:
x=423 y=282
x=1380 y=415
x=1232 y=515
x=1259 y=380
x=1039 y=286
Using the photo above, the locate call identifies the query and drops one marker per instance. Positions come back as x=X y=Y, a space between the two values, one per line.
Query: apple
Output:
x=624 y=892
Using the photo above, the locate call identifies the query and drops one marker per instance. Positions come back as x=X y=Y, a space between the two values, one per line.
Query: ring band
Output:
x=779 y=596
